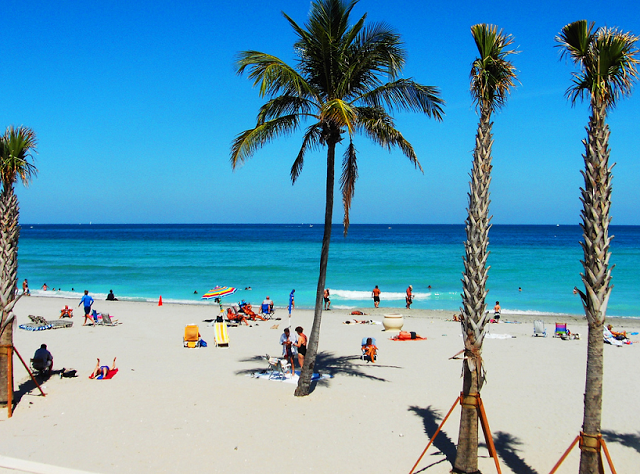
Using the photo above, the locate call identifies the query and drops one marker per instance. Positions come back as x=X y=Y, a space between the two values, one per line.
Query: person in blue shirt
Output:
x=88 y=301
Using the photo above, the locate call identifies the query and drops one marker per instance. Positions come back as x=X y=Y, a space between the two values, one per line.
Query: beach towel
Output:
x=112 y=373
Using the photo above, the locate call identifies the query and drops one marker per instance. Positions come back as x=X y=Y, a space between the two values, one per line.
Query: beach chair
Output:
x=234 y=316
x=107 y=321
x=561 y=330
x=278 y=368
x=265 y=310
x=221 y=337
x=369 y=353
x=191 y=336
x=539 y=329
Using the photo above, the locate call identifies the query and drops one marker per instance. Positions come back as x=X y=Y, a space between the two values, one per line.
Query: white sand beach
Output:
x=171 y=409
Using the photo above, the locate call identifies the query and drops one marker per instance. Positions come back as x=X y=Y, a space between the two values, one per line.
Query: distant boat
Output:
x=310 y=225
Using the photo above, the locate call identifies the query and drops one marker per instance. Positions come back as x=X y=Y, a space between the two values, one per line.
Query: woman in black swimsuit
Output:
x=301 y=345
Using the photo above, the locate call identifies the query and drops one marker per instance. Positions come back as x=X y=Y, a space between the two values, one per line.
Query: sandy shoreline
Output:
x=171 y=408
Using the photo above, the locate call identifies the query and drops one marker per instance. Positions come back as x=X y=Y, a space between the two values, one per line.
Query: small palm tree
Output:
x=492 y=76
x=338 y=85
x=608 y=62
x=15 y=154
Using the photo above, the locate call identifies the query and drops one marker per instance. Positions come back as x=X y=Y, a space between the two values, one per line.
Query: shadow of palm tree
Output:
x=628 y=439
x=328 y=363
x=507 y=448
x=431 y=420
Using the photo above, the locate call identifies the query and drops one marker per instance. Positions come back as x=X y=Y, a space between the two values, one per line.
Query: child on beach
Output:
x=370 y=350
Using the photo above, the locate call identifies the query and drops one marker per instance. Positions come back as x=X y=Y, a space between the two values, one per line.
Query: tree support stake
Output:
x=471 y=400
x=10 y=350
x=591 y=443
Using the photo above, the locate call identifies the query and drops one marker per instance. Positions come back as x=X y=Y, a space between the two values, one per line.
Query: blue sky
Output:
x=135 y=105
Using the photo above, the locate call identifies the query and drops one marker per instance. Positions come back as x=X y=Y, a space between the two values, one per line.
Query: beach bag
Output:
x=203 y=343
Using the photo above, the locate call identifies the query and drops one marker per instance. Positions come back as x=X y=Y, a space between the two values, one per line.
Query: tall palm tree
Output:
x=338 y=85
x=492 y=76
x=16 y=146
x=607 y=59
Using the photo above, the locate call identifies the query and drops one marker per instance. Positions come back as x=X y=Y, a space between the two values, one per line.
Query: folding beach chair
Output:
x=369 y=353
x=561 y=330
x=191 y=336
x=106 y=320
x=265 y=310
x=221 y=336
x=539 y=329
x=278 y=368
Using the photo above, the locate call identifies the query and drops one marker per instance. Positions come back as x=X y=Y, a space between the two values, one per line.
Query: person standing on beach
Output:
x=288 y=348
x=25 y=288
x=496 y=311
x=376 y=296
x=301 y=345
x=87 y=301
x=409 y=298
x=327 y=300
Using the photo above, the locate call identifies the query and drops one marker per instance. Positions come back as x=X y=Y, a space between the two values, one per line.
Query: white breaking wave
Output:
x=384 y=296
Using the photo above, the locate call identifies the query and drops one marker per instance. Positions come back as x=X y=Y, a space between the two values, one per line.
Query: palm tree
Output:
x=15 y=151
x=492 y=76
x=338 y=85
x=608 y=68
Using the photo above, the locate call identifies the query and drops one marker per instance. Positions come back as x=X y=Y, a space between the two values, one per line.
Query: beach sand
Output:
x=171 y=409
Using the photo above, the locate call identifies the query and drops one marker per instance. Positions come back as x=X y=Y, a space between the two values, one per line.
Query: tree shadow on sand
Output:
x=626 y=439
x=28 y=387
x=328 y=363
x=431 y=419
x=507 y=448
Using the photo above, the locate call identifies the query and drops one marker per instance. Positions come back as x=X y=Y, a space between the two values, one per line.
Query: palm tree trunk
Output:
x=304 y=383
x=474 y=293
x=596 y=200
x=9 y=233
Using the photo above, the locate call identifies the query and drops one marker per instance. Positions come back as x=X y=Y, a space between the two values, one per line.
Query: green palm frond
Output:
x=405 y=94
x=339 y=113
x=286 y=105
x=492 y=74
x=379 y=127
x=607 y=59
x=312 y=139
x=272 y=75
x=16 y=147
x=251 y=140
x=348 y=181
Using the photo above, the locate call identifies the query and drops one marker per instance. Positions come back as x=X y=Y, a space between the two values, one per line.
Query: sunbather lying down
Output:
x=408 y=336
x=103 y=372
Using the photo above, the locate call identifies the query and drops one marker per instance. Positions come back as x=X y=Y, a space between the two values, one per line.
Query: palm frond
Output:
x=312 y=139
x=340 y=113
x=607 y=58
x=285 y=105
x=247 y=142
x=16 y=147
x=405 y=94
x=348 y=181
x=492 y=74
x=376 y=124
x=272 y=75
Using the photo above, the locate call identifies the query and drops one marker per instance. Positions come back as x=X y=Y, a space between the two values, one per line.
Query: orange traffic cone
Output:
x=160 y=301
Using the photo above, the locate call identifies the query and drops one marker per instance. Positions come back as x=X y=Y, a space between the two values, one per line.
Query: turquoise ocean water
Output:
x=142 y=262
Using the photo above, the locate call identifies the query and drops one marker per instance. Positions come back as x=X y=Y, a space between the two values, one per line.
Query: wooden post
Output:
x=10 y=381
x=29 y=370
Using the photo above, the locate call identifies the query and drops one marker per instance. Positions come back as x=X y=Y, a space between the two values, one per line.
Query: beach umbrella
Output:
x=219 y=292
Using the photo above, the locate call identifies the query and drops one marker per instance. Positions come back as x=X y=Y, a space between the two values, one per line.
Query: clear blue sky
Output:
x=135 y=105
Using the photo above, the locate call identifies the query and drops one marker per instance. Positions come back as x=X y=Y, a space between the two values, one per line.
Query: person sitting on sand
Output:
x=620 y=336
x=66 y=312
x=111 y=296
x=370 y=351
x=100 y=372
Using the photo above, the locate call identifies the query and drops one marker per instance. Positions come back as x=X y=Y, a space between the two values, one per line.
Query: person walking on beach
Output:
x=327 y=300
x=409 y=298
x=87 y=301
x=376 y=296
x=288 y=346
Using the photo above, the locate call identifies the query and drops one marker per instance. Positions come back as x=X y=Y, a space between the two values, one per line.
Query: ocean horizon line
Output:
x=298 y=224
